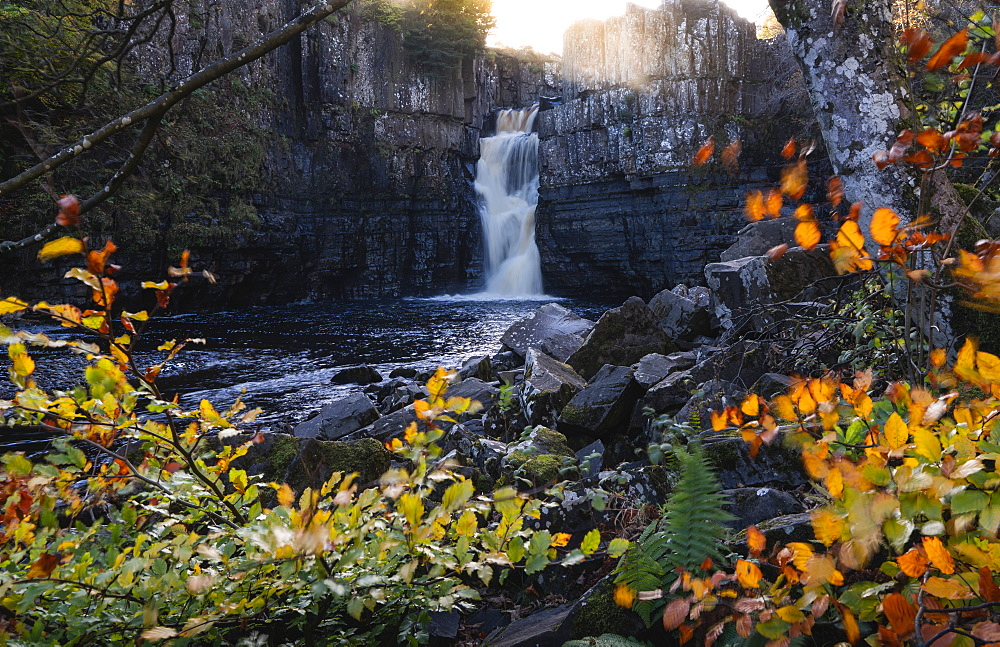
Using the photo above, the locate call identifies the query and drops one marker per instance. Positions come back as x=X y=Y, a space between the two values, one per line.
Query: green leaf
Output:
x=618 y=546
x=536 y=563
x=515 y=550
x=17 y=464
x=457 y=494
x=774 y=628
x=591 y=542
x=355 y=607
x=969 y=501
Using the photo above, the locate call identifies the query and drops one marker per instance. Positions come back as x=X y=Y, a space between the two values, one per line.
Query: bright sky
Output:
x=541 y=23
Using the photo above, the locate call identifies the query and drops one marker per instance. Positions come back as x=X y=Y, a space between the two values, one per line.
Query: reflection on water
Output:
x=283 y=358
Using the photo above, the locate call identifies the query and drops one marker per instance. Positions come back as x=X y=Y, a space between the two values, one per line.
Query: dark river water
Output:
x=281 y=359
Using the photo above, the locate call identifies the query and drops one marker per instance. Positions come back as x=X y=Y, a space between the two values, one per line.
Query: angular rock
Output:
x=603 y=409
x=622 y=336
x=655 y=367
x=774 y=466
x=752 y=506
x=356 y=375
x=591 y=459
x=540 y=458
x=681 y=317
x=339 y=418
x=758 y=237
x=476 y=389
x=548 y=628
x=548 y=386
x=508 y=360
x=485 y=454
x=478 y=367
x=562 y=346
x=540 y=441
x=404 y=371
x=387 y=427
x=548 y=321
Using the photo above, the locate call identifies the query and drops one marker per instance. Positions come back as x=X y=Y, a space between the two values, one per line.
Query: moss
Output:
x=600 y=615
x=282 y=453
x=543 y=469
x=319 y=459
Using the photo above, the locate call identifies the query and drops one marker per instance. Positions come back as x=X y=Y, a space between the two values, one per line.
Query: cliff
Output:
x=621 y=210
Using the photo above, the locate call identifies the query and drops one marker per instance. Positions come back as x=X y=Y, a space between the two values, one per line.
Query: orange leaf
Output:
x=69 y=211
x=850 y=624
x=938 y=357
x=775 y=253
x=884 y=226
x=624 y=596
x=918 y=43
x=756 y=541
x=835 y=190
x=855 y=213
x=938 y=554
x=773 y=204
x=900 y=614
x=751 y=405
x=827 y=526
x=719 y=420
x=705 y=152
x=988 y=589
x=794 y=179
x=686 y=633
x=837 y=13
x=835 y=483
x=804 y=212
x=807 y=234
x=748 y=574
x=731 y=156
x=949 y=50
x=789 y=150
x=932 y=140
x=43 y=566
x=754 y=208
x=675 y=613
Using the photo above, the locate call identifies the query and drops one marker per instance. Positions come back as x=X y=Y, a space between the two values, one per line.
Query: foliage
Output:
x=440 y=33
x=686 y=539
x=132 y=527
x=606 y=640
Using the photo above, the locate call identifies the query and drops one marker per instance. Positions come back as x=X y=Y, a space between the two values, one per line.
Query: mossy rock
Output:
x=319 y=459
x=598 y=615
x=544 y=469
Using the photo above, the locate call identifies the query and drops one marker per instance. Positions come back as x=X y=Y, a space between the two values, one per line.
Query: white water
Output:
x=507 y=180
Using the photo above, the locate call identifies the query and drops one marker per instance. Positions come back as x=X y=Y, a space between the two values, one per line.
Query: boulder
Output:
x=476 y=389
x=478 y=367
x=742 y=364
x=758 y=237
x=540 y=458
x=387 y=427
x=404 y=371
x=339 y=418
x=485 y=454
x=547 y=628
x=591 y=459
x=603 y=408
x=740 y=286
x=655 y=367
x=752 y=506
x=562 y=346
x=773 y=466
x=548 y=386
x=681 y=317
x=622 y=336
x=507 y=360
x=317 y=460
x=545 y=323
x=356 y=375
x=714 y=395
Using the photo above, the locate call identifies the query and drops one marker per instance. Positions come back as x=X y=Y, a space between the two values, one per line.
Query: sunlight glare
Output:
x=540 y=23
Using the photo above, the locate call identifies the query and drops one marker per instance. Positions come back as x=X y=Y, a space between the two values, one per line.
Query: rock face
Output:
x=602 y=409
x=550 y=326
x=548 y=386
x=621 y=211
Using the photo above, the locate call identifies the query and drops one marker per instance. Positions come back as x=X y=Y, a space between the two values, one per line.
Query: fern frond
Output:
x=607 y=640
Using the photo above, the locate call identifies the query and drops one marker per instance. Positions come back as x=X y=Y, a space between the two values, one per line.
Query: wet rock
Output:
x=649 y=484
x=758 y=237
x=443 y=627
x=752 y=506
x=476 y=389
x=339 y=418
x=543 y=324
x=562 y=346
x=548 y=628
x=741 y=363
x=655 y=367
x=489 y=620
x=507 y=360
x=774 y=465
x=485 y=454
x=548 y=386
x=591 y=459
x=771 y=384
x=714 y=395
x=403 y=371
x=603 y=408
x=356 y=375
x=478 y=367
x=318 y=460
x=387 y=427
x=680 y=317
x=622 y=336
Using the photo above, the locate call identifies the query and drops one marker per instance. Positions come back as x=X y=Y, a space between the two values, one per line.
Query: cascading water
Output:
x=507 y=180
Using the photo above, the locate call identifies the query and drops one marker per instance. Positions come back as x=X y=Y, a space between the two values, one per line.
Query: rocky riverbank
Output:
x=598 y=404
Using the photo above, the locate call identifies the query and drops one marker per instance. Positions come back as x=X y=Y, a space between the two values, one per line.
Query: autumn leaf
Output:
x=794 y=179
x=918 y=43
x=69 y=211
x=850 y=624
x=938 y=555
x=900 y=614
x=949 y=50
x=837 y=13
x=624 y=596
x=676 y=613
x=159 y=633
x=12 y=304
x=827 y=526
x=731 y=157
x=884 y=227
x=561 y=539
x=807 y=234
x=43 y=566
x=988 y=589
x=775 y=253
x=932 y=140
x=835 y=190
x=896 y=432
x=773 y=204
x=748 y=574
x=847 y=250
x=754 y=208
x=788 y=152
x=60 y=247
x=756 y=541
x=947 y=589
x=705 y=152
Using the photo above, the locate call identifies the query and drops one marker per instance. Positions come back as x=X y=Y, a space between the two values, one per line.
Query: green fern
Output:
x=607 y=640
x=691 y=530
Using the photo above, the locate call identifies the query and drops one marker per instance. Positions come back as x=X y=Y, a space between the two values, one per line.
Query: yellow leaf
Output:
x=12 y=304
x=820 y=570
x=947 y=589
x=835 y=483
x=624 y=596
x=938 y=554
x=926 y=444
x=748 y=574
x=884 y=227
x=989 y=366
x=719 y=420
x=286 y=496
x=239 y=480
x=801 y=552
x=60 y=247
x=863 y=405
x=410 y=433
x=896 y=431
x=412 y=507
x=751 y=405
x=827 y=526
x=790 y=614
x=755 y=206
x=23 y=365
x=159 y=633
x=784 y=407
x=467 y=524
x=561 y=539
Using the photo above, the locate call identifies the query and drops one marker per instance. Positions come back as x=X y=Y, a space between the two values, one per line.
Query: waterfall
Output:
x=507 y=181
